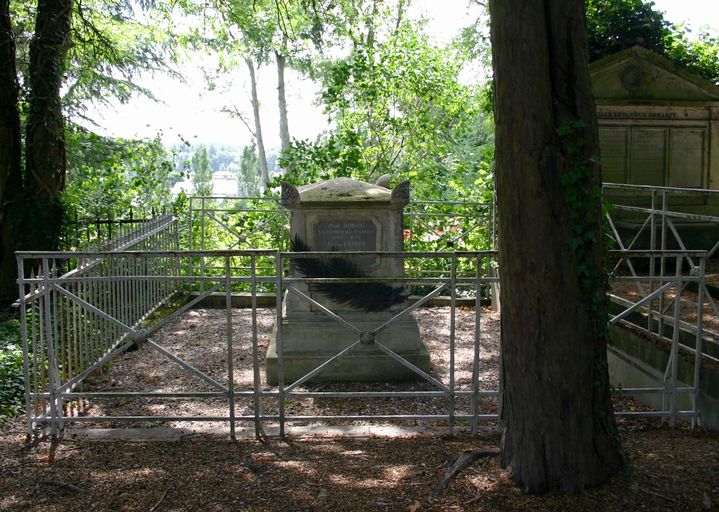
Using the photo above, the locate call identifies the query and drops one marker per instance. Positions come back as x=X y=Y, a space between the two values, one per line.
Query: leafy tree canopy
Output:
x=201 y=172
x=400 y=108
x=107 y=177
x=112 y=41
x=614 y=25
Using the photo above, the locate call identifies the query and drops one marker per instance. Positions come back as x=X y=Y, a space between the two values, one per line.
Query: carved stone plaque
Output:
x=346 y=235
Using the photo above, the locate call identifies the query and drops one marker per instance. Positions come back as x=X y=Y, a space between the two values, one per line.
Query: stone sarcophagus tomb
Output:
x=344 y=215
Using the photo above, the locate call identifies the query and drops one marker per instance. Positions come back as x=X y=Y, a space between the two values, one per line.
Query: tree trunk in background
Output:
x=258 y=126
x=558 y=419
x=282 y=102
x=10 y=156
x=45 y=137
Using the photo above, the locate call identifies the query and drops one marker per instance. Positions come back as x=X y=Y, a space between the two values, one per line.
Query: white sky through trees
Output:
x=191 y=111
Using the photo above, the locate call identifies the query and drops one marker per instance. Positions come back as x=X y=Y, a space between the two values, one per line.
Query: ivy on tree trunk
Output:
x=10 y=155
x=558 y=419
x=45 y=134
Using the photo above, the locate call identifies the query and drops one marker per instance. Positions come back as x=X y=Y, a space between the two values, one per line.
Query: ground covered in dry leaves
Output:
x=670 y=469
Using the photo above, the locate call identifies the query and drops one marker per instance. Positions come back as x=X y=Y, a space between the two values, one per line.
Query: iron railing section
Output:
x=67 y=316
x=261 y=222
x=93 y=233
x=659 y=225
x=72 y=308
x=661 y=207
x=55 y=388
x=235 y=223
x=664 y=298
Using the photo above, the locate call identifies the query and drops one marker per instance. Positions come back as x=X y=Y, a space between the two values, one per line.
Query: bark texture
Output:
x=45 y=152
x=282 y=102
x=558 y=419
x=10 y=154
x=261 y=155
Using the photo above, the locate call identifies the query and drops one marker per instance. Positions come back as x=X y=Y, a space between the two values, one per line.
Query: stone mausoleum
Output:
x=658 y=123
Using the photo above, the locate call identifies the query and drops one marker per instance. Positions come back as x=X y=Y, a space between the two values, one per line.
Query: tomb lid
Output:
x=344 y=191
x=639 y=76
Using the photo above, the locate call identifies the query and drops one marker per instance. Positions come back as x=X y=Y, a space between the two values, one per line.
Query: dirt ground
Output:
x=670 y=469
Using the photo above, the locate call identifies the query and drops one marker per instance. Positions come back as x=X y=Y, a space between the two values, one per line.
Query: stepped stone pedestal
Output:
x=346 y=215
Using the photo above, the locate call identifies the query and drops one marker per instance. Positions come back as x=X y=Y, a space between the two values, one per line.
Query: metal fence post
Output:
x=230 y=352
x=53 y=370
x=477 y=337
x=699 y=339
x=256 y=381
x=278 y=342
x=675 y=342
x=452 y=333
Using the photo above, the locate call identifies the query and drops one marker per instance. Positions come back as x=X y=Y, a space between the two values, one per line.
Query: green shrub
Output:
x=11 y=376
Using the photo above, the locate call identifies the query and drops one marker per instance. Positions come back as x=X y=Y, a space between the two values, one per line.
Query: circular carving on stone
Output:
x=632 y=78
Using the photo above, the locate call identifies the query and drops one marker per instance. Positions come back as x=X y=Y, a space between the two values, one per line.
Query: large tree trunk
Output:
x=10 y=155
x=261 y=155
x=558 y=419
x=282 y=102
x=45 y=141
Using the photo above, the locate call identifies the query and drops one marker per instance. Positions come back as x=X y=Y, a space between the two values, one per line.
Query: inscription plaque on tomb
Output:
x=348 y=235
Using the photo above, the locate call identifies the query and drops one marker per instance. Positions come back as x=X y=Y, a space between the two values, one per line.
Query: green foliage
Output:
x=336 y=155
x=700 y=55
x=249 y=182
x=613 y=25
x=107 y=177
x=583 y=196
x=400 y=108
x=201 y=173
x=110 y=47
x=12 y=383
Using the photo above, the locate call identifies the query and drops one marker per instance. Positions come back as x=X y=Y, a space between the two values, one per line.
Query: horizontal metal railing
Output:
x=664 y=297
x=62 y=350
x=62 y=388
x=72 y=308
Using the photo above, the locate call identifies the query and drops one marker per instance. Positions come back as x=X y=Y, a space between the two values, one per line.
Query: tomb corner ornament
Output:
x=383 y=181
x=290 y=196
x=400 y=194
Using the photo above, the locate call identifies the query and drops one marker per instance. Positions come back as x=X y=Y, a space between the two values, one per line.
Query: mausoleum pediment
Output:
x=638 y=75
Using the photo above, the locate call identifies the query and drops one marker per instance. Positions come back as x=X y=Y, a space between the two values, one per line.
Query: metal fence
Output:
x=78 y=322
x=259 y=222
x=73 y=307
x=59 y=358
x=93 y=233
x=659 y=220
x=223 y=223
x=82 y=310
x=641 y=295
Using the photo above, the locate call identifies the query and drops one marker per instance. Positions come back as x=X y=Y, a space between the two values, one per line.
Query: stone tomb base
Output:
x=310 y=339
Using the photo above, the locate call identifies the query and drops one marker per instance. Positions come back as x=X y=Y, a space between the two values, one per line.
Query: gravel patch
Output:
x=199 y=337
